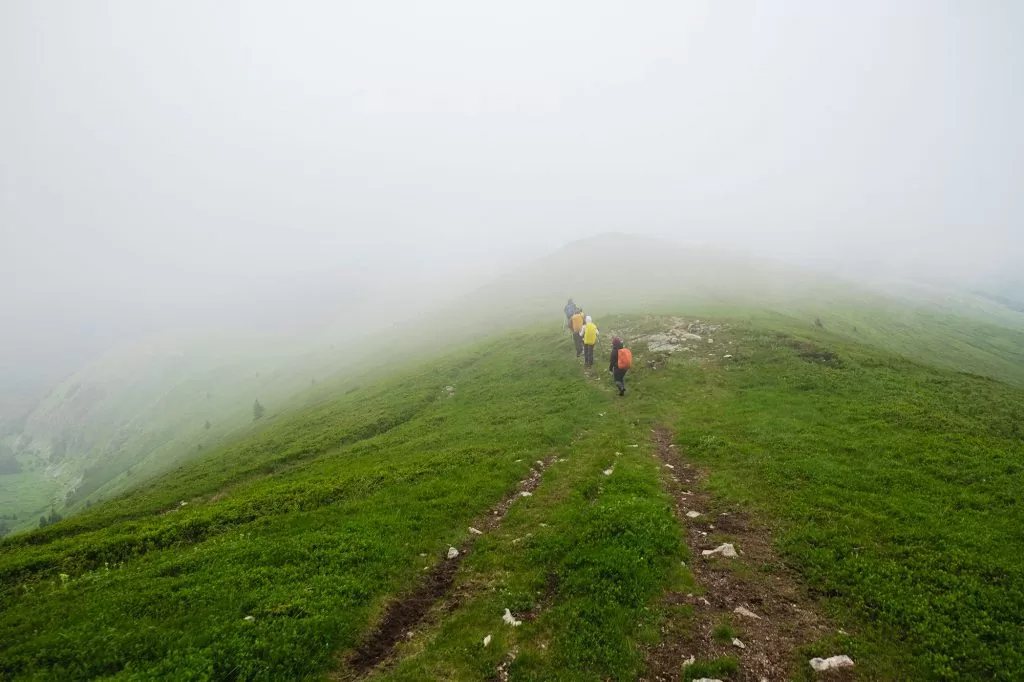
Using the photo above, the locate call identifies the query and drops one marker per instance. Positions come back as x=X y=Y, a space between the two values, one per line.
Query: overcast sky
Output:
x=172 y=154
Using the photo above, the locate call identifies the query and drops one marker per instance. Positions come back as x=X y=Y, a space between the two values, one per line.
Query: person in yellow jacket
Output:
x=589 y=335
x=577 y=326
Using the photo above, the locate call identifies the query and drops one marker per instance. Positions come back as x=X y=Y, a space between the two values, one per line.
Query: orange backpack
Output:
x=625 y=358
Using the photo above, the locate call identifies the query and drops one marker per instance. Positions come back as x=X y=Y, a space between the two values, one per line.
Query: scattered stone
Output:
x=183 y=503
x=249 y=618
x=672 y=446
x=726 y=550
x=410 y=634
x=670 y=466
x=452 y=552
x=746 y=612
x=727 y=355
x=608 y=472
x=705 y=600
x=618 y=454
x=487 y=640
x=510 y=619
x=518 y=461
x=539 y=463
x=711 y=340
x=693 y=514
x=690 y=661
x=707 y=679
x=475 y=531
x=600 y=414
x=423 y=554
x=831 y=663
x=526 y=493
x=738 y=643
x=634 y=446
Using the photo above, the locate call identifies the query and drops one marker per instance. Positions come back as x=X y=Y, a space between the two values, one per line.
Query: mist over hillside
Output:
x=149 y=405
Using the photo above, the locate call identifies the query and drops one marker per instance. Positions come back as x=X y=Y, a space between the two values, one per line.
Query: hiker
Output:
x=570 y=309
x=589 y=335
x=619 y=363
x=576 y=324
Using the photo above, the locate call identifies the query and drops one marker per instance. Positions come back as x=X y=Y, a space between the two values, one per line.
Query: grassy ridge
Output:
x=893 y=486
x=308 y=552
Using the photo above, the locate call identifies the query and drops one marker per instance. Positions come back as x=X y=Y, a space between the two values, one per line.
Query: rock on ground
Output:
x=831 y=663
x=745 y=612
x=510 y=619
x=726 y=550
x=452 y=552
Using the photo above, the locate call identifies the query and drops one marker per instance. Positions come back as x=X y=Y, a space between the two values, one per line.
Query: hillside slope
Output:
x=148 y=408
x=890 y=488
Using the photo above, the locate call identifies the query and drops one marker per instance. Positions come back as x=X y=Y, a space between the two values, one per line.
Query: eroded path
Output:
x=409 y=611
x=749 y=607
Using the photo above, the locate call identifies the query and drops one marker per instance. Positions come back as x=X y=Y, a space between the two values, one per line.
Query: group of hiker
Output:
x=585 y=333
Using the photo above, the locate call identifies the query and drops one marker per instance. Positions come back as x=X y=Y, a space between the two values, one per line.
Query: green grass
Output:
x=720 y=668
x=894 y=487
x=325 y=514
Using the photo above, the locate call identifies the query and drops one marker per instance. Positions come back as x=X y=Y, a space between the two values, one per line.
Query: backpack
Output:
x=625 y=358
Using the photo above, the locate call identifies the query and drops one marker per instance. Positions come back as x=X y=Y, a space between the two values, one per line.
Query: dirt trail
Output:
x=404 y=613
x=755 y=580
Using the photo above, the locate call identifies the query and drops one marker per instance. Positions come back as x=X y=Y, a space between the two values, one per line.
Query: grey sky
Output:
x=167 y=155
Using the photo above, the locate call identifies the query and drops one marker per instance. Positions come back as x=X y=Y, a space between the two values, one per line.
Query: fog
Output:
x=162 y=163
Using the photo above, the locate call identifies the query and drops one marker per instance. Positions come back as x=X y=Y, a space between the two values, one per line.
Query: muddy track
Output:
x=756 y=580
x=403 y=614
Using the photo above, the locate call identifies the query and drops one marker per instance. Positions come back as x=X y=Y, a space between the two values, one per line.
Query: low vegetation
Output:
x=893 y=488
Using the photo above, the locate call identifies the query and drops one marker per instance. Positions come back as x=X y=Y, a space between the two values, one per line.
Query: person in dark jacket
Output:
x=570 y=309
x=613 y=366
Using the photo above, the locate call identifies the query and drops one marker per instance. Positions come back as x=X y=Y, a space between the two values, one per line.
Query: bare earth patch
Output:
x=755 y=582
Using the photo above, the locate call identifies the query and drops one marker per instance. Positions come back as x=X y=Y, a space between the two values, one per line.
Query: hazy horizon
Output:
x=162 y=162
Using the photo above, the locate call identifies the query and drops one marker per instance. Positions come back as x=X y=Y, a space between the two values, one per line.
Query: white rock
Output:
x=452 y=552
x=475 y=531
x=711 y=340
x=727 y=355
x=693 y=513
x=670 y=466
x=487 y=640
x=726 y=550
x=526 y=493
x=832 y=663
x=738 y=643
x=634 y=446
x=690 y=661
x=510 y=619
x=745 y=612
x=250 y=618
x=539 y=463
x=608 y=472
x=707 y=679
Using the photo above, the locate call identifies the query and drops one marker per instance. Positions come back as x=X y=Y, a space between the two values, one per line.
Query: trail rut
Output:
x=784 y=618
